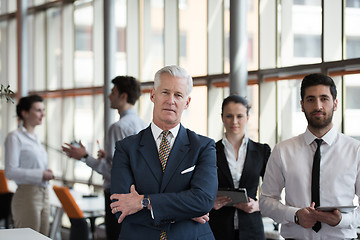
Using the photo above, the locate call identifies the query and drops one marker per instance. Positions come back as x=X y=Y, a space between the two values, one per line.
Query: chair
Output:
x=5 y=200
x=79 y=229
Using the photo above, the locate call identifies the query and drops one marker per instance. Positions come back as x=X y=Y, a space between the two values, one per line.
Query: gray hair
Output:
x=175 y=71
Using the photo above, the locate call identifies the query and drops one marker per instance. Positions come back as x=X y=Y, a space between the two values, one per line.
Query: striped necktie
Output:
x=164 y=151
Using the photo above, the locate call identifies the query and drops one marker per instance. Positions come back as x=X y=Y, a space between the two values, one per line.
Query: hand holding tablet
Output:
x=343 y=209
x=237 y=195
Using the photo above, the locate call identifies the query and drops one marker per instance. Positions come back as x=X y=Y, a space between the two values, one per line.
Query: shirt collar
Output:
x=156 y=131
x=245 y=141
x=329 y=137
x=25 y=131
x=126 y=112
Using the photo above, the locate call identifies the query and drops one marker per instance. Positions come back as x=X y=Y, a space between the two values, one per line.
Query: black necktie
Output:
x=315 y=181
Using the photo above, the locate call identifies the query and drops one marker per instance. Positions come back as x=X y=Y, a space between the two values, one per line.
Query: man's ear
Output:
x=187 y=102
x=302 y=105
x=124 y=96
x=152 y=95
x=335 y=104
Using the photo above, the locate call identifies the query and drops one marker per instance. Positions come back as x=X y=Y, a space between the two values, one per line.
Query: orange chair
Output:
x=79 y=227
x=5 y=200
x=3 y=182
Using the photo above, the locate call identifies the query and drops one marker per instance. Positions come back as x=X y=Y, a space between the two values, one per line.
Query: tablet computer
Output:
x=237 y=195
x=343 y=209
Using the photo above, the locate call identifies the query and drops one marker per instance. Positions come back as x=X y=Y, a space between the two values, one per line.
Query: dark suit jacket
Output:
x=175 y=196
x=222 y=220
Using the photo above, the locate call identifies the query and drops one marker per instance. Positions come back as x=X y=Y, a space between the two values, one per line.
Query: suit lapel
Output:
x=150 y=154
x=177 y=155
x=223 y=166
x=248 y=165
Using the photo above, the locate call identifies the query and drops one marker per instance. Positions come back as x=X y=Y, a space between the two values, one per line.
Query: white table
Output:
x=21 y=234
x=92 y=208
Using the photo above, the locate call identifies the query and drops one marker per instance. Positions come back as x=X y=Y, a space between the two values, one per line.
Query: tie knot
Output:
x=318 y=141
x=165 y=134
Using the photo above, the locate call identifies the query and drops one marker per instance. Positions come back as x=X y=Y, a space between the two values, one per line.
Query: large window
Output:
x=65 y=63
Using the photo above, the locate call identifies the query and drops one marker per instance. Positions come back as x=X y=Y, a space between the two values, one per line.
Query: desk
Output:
x=21 y=233
x=92 y=208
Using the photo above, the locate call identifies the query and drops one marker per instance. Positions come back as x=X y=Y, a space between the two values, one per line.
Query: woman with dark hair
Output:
x=26 y=164
x=240 y=163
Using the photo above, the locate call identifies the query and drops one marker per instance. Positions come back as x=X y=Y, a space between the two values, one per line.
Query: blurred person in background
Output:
x=26 y=163
x=124 y=94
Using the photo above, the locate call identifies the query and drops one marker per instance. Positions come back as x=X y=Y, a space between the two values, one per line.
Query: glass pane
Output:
x=53 y=139
x=227 y=36
x=39 y=59
x=11 y=6
x=84 y=131
x=120 y=23
x=53 y=16
x=3 y=58
x=195 y=117
x=352 y=105
x=83 y=17
x=291 y=120
x=300 y=28
x=153 y=44
x=352 y=30
x=8 y=123
x=193 y=35
x=11 y=52
x=253 y=123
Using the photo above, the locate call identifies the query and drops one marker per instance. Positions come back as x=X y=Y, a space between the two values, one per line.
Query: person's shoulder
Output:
x=291 y=142
x=348 y=140
x=14 y=133
x=258 y=144
x=195 y=137
x=133 y=138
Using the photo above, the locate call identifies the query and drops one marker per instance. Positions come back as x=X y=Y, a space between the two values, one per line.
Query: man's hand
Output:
x=101 y=154
x=221 y=201
x=331 y=218
x=127 y=204
x=306 y=218
x=74 y=152
x=202 y=219
x=249 y=207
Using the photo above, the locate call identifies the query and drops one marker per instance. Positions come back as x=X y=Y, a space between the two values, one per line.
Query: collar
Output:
x=156 y=131
x=245 y=141
x=127 y=112
x=25 y=131
x=329 y=137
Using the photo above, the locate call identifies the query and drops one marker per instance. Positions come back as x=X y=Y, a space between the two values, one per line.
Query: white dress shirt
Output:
x=290 y=166
x=25 y=158
x=236 y=165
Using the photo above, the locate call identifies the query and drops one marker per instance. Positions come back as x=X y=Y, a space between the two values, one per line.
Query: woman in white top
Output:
x=26 y=164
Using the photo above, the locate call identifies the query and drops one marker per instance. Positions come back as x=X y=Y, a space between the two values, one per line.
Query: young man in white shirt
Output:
x=290 y=167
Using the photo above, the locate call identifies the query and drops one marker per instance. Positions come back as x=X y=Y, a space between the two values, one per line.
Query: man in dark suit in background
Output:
x=161 y=196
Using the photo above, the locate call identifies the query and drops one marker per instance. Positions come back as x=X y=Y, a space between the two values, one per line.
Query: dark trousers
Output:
x=112 y=226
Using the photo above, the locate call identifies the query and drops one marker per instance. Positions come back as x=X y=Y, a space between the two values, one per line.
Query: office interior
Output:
x=69 y=50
